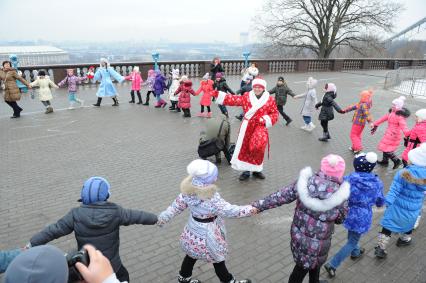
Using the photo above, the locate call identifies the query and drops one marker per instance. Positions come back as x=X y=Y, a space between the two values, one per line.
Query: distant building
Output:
x=35 y=55
x=244 y=38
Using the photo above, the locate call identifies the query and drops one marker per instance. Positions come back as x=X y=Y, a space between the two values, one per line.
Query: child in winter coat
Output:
x=45 y=94
x=206 y=86
x=184 y=91
x=281 y=91
x=150 y=83
x=159 y=88
x=97 y=222
x=104 y=74
x=221 y=85
x=404 y=201
x=360 y=118
x=6 y=257
x=251 y=71
x=71 y=81
x=172 y=89
x=392 y=138
x=308 y=107
x=203 y=238
x=327 y=104
x=366 y=191
x=320 y=203
x=136 y=79
x=416 y=135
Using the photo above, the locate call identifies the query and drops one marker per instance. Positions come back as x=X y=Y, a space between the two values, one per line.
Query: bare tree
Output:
x=322 y=25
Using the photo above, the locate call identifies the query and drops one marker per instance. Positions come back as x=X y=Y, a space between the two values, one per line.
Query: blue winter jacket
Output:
x=405 y=199
x=366 y=191
x=6 y=258
x=106 y=88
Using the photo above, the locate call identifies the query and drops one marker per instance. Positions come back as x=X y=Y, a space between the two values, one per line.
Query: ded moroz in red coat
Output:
x=259 y=114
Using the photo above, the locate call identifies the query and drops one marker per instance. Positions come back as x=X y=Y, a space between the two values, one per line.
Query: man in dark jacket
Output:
x=221 y=85
x=96 y=222
x=281 y=91
x=213 y=130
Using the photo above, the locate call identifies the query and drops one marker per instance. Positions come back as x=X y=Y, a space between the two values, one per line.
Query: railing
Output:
x=232 y=67
x=407 y=80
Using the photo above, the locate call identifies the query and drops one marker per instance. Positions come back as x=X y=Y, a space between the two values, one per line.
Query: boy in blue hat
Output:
x=97 y=222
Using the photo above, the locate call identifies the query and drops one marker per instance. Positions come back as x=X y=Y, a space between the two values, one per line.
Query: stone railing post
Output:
x=337 y=65
x=302 y=66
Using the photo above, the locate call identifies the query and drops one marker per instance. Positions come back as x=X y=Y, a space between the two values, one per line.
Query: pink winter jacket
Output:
x=136 y=79
x=206 y=87
x=396 y=124
x=417 y=132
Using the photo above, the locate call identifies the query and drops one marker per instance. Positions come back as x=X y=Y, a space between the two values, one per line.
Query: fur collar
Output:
x=411 y=179
x=341 y=195
x=187 y=188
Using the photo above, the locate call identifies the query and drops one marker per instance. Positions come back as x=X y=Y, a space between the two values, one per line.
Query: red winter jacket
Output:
x=185 y=90
x=417 y=132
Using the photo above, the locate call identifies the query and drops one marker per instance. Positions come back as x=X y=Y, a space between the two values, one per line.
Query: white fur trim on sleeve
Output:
x=341 y=195
x=268 y=121
x=221 y=97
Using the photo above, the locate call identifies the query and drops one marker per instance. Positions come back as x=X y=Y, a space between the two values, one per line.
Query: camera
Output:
x=72 y=258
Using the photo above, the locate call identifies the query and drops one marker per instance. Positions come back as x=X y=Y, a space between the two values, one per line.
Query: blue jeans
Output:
x=307 y=119
x=350 y=248
x=71 y=96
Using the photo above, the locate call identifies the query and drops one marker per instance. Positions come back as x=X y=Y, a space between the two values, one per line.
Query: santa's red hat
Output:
x=259 y=83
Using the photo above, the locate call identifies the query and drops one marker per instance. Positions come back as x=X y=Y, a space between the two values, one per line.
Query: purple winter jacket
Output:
x=321 y=201
x=71 y=82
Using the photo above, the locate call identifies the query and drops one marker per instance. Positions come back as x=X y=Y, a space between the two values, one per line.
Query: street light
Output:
x=155 y=57
x=246 y=56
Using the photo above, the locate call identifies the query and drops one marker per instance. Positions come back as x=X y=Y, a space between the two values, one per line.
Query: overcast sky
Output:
x=143 y=20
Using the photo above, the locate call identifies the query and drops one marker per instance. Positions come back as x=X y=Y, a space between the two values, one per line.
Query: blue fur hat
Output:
x=95 y=189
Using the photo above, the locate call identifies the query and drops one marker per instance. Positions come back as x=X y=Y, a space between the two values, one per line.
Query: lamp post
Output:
x=155 y=57
x=246 y=56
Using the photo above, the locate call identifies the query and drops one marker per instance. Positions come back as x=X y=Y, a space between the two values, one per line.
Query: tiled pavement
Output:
x=143 y=152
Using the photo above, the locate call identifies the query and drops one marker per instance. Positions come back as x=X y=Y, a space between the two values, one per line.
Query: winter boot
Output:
x=404 y=240
x=396 y=163
x=239 y=281
x=147 y=100
x=305 y=127
x=49 y=109
x=361 y=253
x=380 y=249
x=80 y=101
x=259 y=175
x=133 y=98
x=311 y=126
x=98 y=103
x=209 y=115
x=115 y=101
x=173 y=107
x=163 y=104
x=139 y=98
x=244 y=176
x=187 y=280
x=288 y=121
x=325 y=137
x=71 y=105
x=330 y=270
x=200 y=114
x=384 y=161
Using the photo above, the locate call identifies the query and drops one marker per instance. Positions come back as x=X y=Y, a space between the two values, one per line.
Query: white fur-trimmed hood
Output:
x=315 y=204
x=187 y=188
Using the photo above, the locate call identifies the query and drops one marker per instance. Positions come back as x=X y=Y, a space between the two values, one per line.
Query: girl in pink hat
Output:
x=321 y=201
x=392 y=137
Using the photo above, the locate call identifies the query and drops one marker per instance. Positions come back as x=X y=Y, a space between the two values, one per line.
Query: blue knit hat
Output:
x=95 y=189
x=365 y=162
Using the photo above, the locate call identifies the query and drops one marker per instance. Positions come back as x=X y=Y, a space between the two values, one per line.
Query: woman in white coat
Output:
x=45 y=94
x=309 y=104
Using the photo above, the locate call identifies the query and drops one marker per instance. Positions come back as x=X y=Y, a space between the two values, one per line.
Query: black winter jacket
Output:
x=221 y=85
x=327 y=104
x=97 y=224
x=281 y=92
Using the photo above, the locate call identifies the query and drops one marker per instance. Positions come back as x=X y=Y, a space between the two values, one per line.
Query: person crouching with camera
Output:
x=97 y=222
x=217 y=131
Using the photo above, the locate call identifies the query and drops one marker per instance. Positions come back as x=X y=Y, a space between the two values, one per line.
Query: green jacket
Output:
x=281 y=93
x=212 y=130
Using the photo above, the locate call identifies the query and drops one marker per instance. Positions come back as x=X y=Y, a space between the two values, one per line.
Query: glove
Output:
x=373 y=130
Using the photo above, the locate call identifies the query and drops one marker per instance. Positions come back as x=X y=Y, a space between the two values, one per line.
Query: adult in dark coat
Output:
x=212 y=131
x=216 y=67
x=327 y=104
x=96 y=222
x=11 y=91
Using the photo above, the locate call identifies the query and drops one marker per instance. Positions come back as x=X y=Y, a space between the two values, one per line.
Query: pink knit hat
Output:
x=333 y=165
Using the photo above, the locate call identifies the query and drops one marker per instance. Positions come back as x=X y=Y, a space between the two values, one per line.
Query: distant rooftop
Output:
x=36 y=49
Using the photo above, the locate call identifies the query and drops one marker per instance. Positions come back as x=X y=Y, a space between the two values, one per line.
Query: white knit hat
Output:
x=203 y=172
x=206 y=76
x=398 y=102
x=417 y=156
x=421 y=114
x=259 y=82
